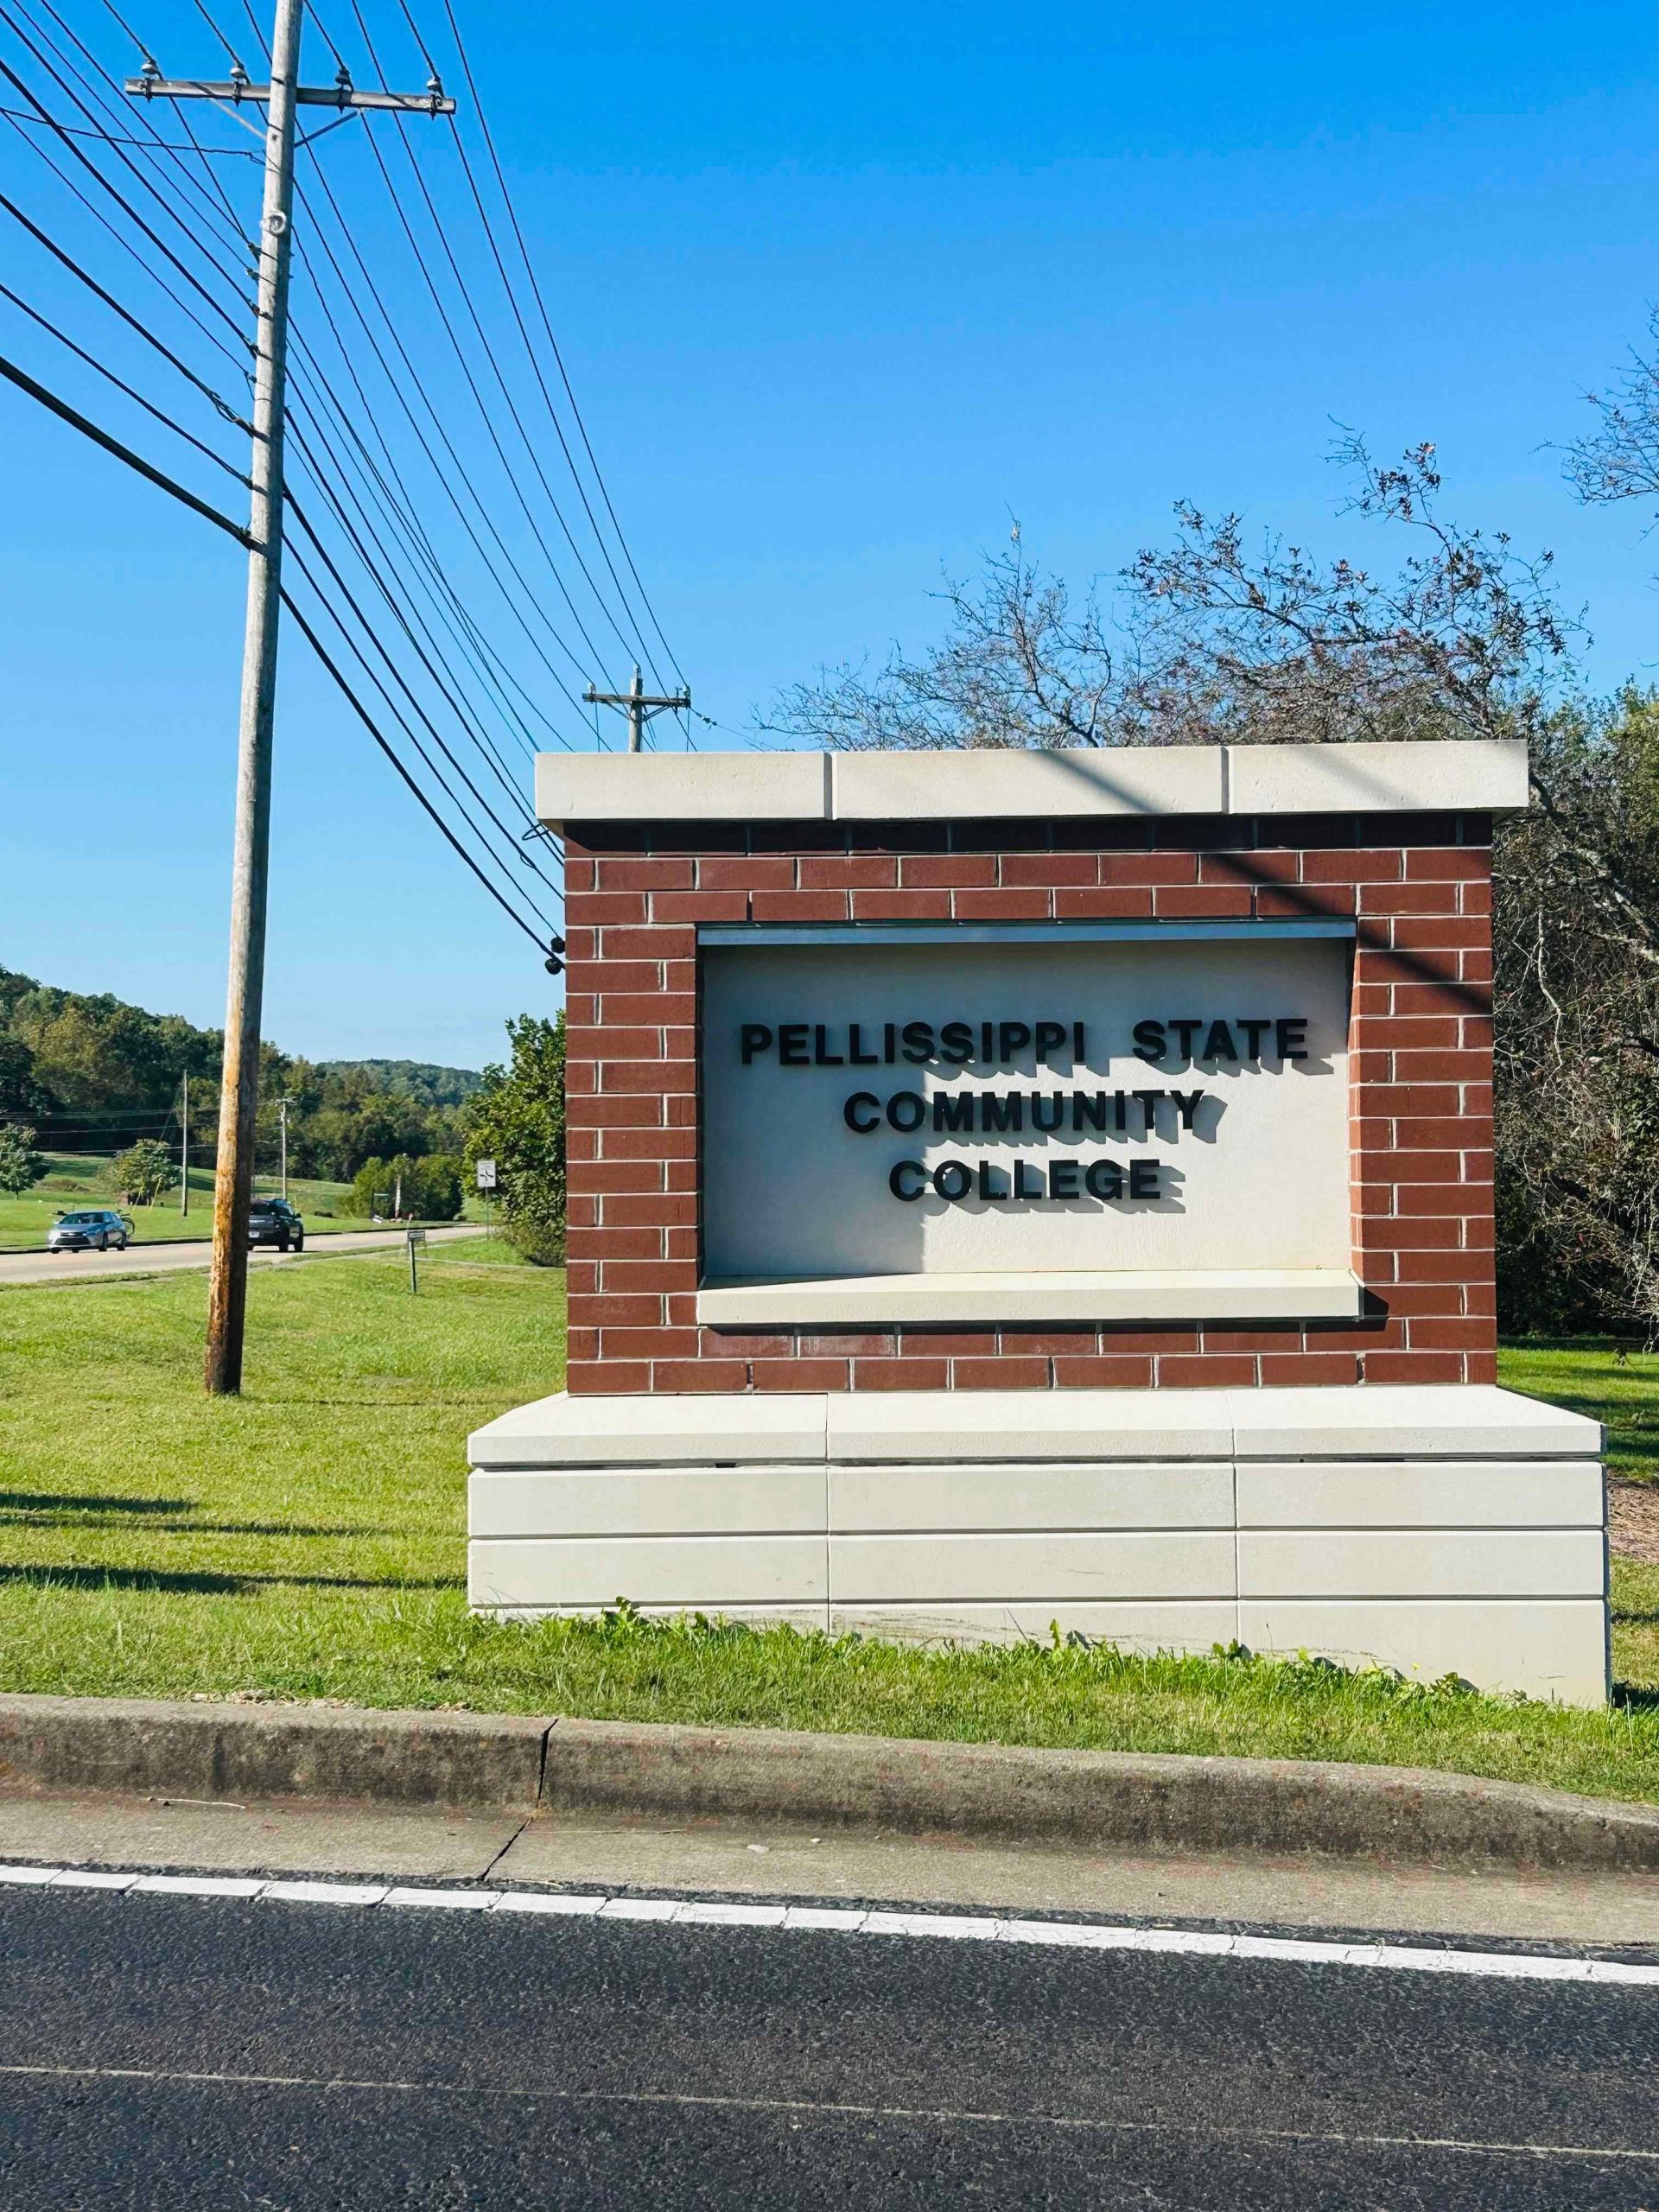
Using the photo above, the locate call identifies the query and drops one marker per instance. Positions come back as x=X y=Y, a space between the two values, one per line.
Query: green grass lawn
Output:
x=307 y=1541
x=83 y=1179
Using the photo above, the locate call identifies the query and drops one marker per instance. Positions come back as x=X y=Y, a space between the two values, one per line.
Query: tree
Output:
x=1216 y=639
x=21 y=1166
x=424 y=1189
x=516 y=1119
x=143 y=1171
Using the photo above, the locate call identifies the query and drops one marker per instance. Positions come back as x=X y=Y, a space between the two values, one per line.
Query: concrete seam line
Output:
x=949 y=1927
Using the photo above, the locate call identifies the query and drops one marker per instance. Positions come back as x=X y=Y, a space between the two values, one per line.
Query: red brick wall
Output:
x=1420 y=887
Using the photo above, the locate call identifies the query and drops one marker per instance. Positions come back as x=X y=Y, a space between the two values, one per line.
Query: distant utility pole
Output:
x=184 y=1148
x=283 y=1105
x=240 y=1086
x=640 y=706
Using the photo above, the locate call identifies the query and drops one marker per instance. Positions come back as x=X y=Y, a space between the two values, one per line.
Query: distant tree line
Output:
x=89 y=1073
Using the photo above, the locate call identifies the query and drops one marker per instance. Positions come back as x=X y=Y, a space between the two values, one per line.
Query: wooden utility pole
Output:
x=240 y=1084
x=184 y=1148
x=639 y=705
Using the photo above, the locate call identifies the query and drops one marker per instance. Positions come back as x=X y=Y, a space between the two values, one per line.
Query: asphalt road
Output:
x=166 y=1259
x=160 y=2051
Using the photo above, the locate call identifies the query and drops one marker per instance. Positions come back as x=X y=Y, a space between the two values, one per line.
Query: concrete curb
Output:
x=1098 y=1800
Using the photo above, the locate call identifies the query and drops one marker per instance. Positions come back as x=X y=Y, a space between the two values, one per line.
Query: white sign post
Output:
x=484 y=1170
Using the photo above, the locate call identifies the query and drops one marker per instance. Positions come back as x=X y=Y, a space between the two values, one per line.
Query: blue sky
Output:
x=839 y=290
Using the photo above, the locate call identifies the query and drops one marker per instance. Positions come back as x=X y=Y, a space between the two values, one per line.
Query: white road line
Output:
x=846 y=1920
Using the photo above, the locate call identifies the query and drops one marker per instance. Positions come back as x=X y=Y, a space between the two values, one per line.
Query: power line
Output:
x=110 y=138
x=473 y=723
x=350 y=293
x=90 y=429
x=634 y=643
x=127 y=247
x=149 y=336
x=368 y=629
x=402 y=720
x=536 y=290
x=149 y=406
x=107 y=106
x=367 y=720
x=466 y=365
x=17 y=84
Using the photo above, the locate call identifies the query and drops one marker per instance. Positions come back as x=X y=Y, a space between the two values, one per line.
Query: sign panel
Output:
x=484 y=1172
x=904 y=1109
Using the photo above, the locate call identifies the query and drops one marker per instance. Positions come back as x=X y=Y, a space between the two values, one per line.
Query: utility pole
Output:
x=639 y=705
x=240 y=1084
x=283 y=1105
x=184 y=1148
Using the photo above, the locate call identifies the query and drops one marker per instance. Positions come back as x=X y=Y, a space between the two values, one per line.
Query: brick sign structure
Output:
x=1011 y=1187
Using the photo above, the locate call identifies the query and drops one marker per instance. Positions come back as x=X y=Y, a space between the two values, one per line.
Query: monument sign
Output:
x=1010 y=1188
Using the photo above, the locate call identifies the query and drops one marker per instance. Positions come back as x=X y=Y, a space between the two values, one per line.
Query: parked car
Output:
x=90 y=1228
x=273 y=1221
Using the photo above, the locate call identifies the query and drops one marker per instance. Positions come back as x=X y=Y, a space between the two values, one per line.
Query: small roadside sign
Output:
x=417 y=1238
x=485 y=1173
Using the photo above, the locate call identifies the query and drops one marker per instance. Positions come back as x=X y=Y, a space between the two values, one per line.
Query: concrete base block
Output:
x=1554 y=1648
x=1452 y=1530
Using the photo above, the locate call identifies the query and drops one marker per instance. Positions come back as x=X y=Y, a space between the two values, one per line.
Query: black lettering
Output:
x=1011 y=1037
x=1120 y=1111
x=1104 y=1179
x=1089 y=1109
x=957 y=1043
x=1047 y=1111
x=1143 y=1179
x=1063 y=1179
x=919 y=1042
x=1291 y=1037
x=1003 y=1110
x=822 y=1056
x=1150 y=1043
x=1187 y=1103
x=1253 y=1033
x=1077 y=1044
x=985 y=1033
x=1218 y=1045
x=1027 y=1183
x=889 y=1054
x=896 y=1184
x=855 y=1053
x=953 y=1110
x=850 y=1111
x=791 y=1046
x=756 y=1038
x=906 y=1110
x=1186 y=1031
x=1148 y=1100
x=951 y=1178
x=1049 y=1036
x=987 y=1185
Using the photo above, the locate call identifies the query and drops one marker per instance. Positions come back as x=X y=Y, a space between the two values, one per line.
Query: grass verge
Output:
x=307 y=1541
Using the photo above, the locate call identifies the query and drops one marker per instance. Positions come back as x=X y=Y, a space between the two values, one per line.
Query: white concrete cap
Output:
x=1489 y=774
x=567 y=1432
x=1025 y=1425
x=1449 y=1420
x=1484 y=775
x=1128 y=779
x=682 y=787
x=1147 y=1295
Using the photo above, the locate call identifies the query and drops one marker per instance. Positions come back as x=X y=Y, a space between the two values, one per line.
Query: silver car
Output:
x=91 y=1229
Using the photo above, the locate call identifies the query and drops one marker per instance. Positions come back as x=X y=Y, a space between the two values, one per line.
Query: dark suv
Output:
x=273 y=1221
